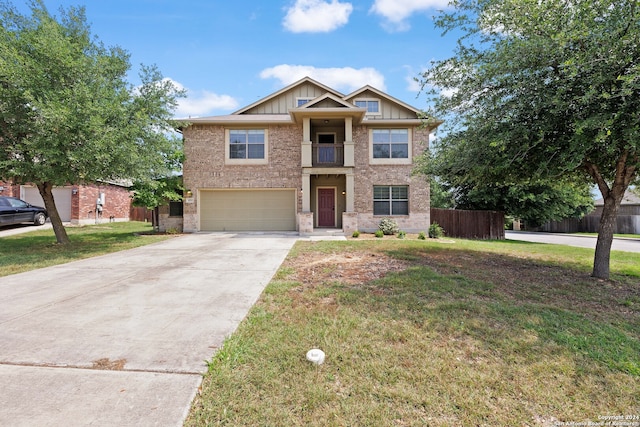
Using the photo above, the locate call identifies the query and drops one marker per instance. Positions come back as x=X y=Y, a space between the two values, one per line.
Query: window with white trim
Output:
x=390 y=200
x=246 y=144
x=372 y=105
x=390 y=143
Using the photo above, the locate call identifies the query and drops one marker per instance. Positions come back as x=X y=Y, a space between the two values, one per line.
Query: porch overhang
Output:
x=298 y=114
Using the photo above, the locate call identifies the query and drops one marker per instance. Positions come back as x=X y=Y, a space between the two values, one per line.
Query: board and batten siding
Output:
x=282 y=103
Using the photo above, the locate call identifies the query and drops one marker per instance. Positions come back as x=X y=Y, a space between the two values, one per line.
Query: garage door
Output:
x=248 y=210
x=61 y=195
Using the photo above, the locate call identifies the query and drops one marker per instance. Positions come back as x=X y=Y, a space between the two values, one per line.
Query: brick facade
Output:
x=83 y=201
x=117 y=204
x=291 y=133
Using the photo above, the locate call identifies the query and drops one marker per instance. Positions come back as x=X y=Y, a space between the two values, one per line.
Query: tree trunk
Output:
x=625 y=173
x=602 y=255
x=46 y=192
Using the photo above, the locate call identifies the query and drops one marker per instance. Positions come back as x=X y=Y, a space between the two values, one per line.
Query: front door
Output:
x=326 y=207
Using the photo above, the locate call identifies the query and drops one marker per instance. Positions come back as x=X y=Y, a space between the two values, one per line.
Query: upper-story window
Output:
x=301 y=101
x=390 y=145
x=246 y=146
x=372 y=105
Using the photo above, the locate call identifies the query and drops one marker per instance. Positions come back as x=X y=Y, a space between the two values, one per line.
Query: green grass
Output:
x=454 y=334
x=38 y=249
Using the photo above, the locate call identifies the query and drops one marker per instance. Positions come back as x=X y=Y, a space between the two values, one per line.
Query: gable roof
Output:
x=280 y=107
x=285 y=89
x=340 y=102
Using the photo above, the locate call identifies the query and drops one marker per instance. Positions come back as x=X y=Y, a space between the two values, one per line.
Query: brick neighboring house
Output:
x=304 y=158
x=77 y=203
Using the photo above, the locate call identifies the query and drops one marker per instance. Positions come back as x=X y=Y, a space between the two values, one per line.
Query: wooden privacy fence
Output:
x=138 y=213
x=470 y=224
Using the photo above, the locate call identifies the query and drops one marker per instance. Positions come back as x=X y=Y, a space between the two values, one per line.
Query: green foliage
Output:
x=539 y=95
x=435 y=231
x=422 y=235
x=153 y=193
x=356 y=234
x=401 y=234
x=388 y=226
x=379 y=234
x=441 y=196
x=69 y=116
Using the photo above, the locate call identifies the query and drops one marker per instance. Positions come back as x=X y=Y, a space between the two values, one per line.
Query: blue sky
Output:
x=229 y=54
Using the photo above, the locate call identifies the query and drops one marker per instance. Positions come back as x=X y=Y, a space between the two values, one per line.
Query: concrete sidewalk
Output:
x=123 y=339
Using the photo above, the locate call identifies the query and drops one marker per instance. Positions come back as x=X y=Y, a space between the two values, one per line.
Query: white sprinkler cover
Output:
x=315 y=355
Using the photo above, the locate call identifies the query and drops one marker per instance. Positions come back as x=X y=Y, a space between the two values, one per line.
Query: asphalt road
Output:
x=619 y=244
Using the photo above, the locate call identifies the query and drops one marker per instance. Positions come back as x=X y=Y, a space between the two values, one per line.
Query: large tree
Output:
x=543 y=91
x=68 y=114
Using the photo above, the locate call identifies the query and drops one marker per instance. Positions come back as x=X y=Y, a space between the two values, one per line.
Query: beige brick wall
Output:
x=367 y=175
x=204 y=168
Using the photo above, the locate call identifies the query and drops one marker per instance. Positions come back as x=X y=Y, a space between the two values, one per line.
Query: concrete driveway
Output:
x=122 y=339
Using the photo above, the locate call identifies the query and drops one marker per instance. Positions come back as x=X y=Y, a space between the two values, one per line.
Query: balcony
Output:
x=327 y=155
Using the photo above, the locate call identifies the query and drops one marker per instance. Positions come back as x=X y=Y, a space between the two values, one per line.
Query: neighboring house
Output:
x=77 y=204
x=307 y=157
x=627 y=221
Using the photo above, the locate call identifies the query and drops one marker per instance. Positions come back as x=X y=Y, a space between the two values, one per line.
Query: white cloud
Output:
x=344 y=79
x=202 y=103
x=396 y=12
x=316 y=16
x=414 y=78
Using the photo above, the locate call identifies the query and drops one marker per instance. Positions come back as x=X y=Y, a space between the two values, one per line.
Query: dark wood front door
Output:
x=326 y=207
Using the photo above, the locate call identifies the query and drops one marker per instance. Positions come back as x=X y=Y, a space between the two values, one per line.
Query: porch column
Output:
x=349 y=146
x=306 y=143
x=306 y=192
x=305 y=218
x=350 y=190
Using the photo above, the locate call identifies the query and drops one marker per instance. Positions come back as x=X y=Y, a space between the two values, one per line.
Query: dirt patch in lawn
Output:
x=520 y=280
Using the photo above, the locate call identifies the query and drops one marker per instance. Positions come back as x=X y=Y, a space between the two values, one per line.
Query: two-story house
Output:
x=305 y=158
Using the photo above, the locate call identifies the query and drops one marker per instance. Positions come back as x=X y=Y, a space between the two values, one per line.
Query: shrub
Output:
x=435 y=231
x=388 y=226
x=402 y=234
x=422 y=235
x=356 y=234
x=379 y=233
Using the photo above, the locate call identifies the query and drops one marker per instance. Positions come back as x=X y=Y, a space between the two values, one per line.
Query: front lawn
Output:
x=440 y=333
x=38 y=249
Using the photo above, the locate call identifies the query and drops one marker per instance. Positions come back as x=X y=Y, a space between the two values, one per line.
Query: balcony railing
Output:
x=327 y=155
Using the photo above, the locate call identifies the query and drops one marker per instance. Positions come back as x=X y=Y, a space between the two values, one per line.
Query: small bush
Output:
x=379 y=233
x=402 y=234
x=422 y=235
x=388 y=226
x=435 y=231
x=356 y=234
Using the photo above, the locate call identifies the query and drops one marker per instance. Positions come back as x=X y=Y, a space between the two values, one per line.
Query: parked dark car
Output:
x=16 y=211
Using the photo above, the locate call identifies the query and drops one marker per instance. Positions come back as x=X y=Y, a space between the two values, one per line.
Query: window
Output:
x=390 y=143
x=301 y=101
x=391 y=200
x=246 y=146
x=372 y=105
x=175 y=208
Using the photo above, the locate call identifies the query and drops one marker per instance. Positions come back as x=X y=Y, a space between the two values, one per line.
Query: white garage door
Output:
x=248 y=210
x=61 y=195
